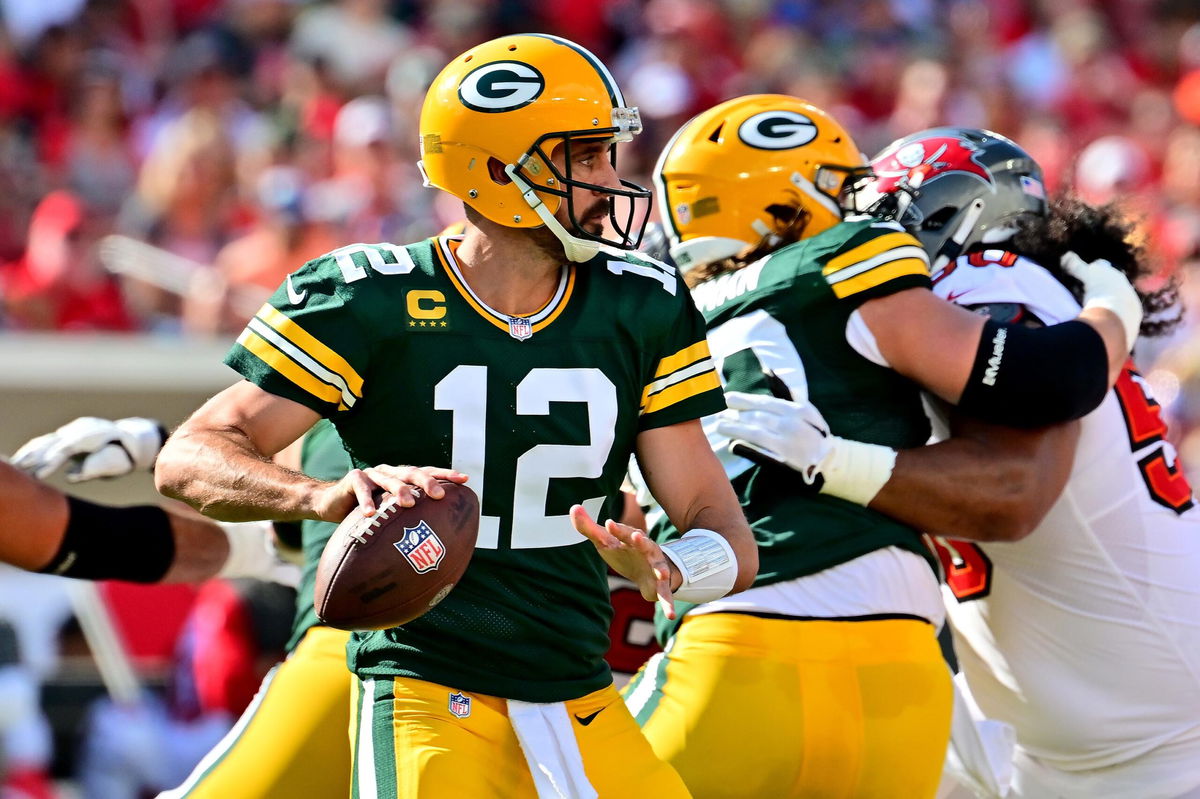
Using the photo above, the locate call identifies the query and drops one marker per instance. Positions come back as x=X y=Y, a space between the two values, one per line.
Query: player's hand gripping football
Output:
x=633 y=555
x=770 y=429
x=93 y=447
x=360 y=487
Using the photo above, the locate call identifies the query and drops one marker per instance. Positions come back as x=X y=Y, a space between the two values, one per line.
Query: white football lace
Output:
x=381 y=516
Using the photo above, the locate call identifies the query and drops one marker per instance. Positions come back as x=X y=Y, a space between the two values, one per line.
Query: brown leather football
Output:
x=384 y=570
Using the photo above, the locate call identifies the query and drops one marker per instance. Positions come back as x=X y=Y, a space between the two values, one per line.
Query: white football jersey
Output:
x=1085 y=635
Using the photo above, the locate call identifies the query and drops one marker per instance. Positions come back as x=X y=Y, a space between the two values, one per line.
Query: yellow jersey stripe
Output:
x=681 y=391
x=704 y=365
x=312 y=347
x=685 y=356
x=868 y=250
x=285 y=366
x=880 y=275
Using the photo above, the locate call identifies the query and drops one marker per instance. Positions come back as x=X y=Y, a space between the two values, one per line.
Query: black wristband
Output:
x=103 y=543
x=1027 y=377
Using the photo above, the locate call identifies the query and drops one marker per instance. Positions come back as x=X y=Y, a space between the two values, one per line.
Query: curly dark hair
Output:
x=1093 y=232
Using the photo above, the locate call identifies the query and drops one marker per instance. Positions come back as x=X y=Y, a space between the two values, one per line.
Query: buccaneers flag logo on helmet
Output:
x=925 y=159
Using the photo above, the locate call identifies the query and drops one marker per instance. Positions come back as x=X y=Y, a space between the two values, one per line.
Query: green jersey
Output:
x=322 y=456
x=541 y=411
x=781 y=322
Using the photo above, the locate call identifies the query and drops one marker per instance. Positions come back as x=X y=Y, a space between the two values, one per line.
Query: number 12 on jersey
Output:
x=464 y=392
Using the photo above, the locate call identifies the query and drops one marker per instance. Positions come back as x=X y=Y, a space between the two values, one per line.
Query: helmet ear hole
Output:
x=497 y=173
x=715 y=136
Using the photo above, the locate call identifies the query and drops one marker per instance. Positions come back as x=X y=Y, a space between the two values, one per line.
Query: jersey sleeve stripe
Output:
x=682 y=391
x=314 y=348
x=289 y=353
x=685 y=357
x=870 y=250
x=884 y=258
x=880 y=275
x=289 y=369
x=679 y=376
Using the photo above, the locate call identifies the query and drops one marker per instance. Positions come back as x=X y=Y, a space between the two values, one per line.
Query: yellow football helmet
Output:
x=748 y=170
x=493 y=117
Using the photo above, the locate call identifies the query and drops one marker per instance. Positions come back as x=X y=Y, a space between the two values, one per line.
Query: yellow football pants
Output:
x=745 y=706
x=419 y=739
x=291 y=741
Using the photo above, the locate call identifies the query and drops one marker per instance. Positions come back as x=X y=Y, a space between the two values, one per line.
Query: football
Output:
x=384 y=570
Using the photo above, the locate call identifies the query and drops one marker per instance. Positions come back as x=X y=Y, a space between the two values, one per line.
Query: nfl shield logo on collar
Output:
x=460 y=705
x=421 y=547
x=519 y=328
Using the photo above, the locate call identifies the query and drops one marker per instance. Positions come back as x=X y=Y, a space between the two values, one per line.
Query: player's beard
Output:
x=591 y=220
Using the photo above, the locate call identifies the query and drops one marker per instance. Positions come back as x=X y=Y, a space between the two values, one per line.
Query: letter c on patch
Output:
x=423 y=304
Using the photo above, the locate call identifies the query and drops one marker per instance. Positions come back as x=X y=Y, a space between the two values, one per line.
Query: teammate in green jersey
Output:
x=490 y=357
x=825 y=678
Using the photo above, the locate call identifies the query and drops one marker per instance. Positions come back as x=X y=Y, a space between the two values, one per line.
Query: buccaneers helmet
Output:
x=492 y=119
x=748 y=170
x=952 y=188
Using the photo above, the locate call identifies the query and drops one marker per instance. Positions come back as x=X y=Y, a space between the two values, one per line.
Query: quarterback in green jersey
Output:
x=532 y=356
x=825 y=678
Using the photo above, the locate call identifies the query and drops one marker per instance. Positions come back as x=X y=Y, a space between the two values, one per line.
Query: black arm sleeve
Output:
x=102 y=543
x=1035 y=377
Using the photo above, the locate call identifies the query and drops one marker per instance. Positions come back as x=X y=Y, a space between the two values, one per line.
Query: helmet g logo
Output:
x=501 y=86
x=777 y=130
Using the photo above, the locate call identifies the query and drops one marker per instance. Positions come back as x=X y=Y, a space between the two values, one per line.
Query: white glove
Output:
x=93 y=447
x=252 y=553
x=1104 y=286
x=789 y=433
x=796 y=435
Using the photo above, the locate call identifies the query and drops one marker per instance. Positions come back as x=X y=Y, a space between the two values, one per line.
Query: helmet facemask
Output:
x=628 y=206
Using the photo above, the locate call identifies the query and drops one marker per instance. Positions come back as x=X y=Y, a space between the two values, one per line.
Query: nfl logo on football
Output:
x=460 y=705
x=421 y=547
x=519 y=328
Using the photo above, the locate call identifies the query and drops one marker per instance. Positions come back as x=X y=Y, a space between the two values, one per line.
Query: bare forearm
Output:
x=727 y=519
x=1109 y=327
x=201 y=548
x=33 y=519
x=220 y=474
x=995 y=487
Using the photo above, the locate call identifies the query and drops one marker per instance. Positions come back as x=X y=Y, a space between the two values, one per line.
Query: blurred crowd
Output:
x=224 y=142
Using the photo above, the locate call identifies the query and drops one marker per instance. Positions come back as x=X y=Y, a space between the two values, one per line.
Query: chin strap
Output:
x=577 y=250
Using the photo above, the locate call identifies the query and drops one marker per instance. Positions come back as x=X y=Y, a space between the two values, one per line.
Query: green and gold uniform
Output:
x=541 y=411
x=292 y=739
x=807 y=703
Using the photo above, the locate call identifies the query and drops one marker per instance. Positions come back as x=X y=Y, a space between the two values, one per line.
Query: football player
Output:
x=534 y=354
x=291 y=740
x=71 y=537
x=826 y=678
x=1076 y=615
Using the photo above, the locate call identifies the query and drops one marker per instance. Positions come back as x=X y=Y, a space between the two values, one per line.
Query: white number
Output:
x=663 y=274
x=464 y=392
x=768 y=339
x=352 y=271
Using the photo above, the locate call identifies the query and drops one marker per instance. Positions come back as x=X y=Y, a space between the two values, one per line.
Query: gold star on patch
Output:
x=411 y=323
x=443 y=324
x=422 y=324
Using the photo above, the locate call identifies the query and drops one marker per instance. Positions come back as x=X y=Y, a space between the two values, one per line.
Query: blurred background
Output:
x=164 y=163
